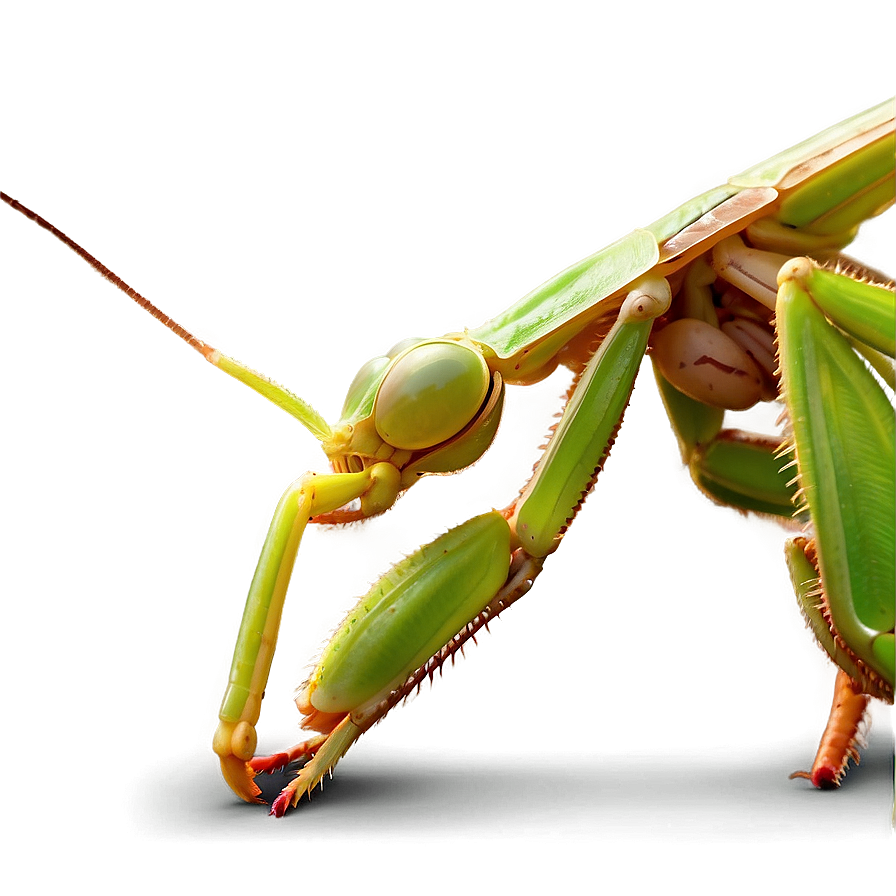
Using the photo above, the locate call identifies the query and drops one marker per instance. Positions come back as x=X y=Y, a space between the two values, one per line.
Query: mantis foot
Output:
x=277 y=761
x=323 y=752
x=302 y=783
x=842 y=737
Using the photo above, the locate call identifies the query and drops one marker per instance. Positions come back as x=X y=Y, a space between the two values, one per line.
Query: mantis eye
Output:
x=430 y=393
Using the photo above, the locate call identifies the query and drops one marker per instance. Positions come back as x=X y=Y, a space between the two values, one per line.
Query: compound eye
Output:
x=429 y=394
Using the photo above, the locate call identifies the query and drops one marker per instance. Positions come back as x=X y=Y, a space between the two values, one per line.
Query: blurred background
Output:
x=302 y=185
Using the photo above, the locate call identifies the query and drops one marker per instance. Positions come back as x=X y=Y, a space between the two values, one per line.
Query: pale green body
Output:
x=709 y=306
x=810 y=199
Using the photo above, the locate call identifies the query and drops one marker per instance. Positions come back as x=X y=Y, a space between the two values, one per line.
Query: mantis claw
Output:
x=240 y=777
x=235 y=743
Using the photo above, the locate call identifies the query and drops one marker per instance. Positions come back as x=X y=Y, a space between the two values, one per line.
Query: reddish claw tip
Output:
x=269 y=764
x=280 y=805
x=825 y=778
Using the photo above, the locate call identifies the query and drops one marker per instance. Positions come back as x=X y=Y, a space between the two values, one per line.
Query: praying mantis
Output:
x=719 y=296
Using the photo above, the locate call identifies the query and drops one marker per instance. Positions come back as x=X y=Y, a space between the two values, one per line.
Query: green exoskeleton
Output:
x=739 y=296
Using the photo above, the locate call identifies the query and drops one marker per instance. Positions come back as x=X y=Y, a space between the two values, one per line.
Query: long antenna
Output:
x=283 y=398
x=112 y=277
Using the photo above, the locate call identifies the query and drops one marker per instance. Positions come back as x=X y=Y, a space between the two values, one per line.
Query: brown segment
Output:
x=842 y=736
x=100 y=268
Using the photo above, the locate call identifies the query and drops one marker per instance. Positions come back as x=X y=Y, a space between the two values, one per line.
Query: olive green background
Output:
x=303 y=185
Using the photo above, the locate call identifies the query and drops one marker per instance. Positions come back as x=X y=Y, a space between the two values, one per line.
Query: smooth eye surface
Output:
x=430 y=393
